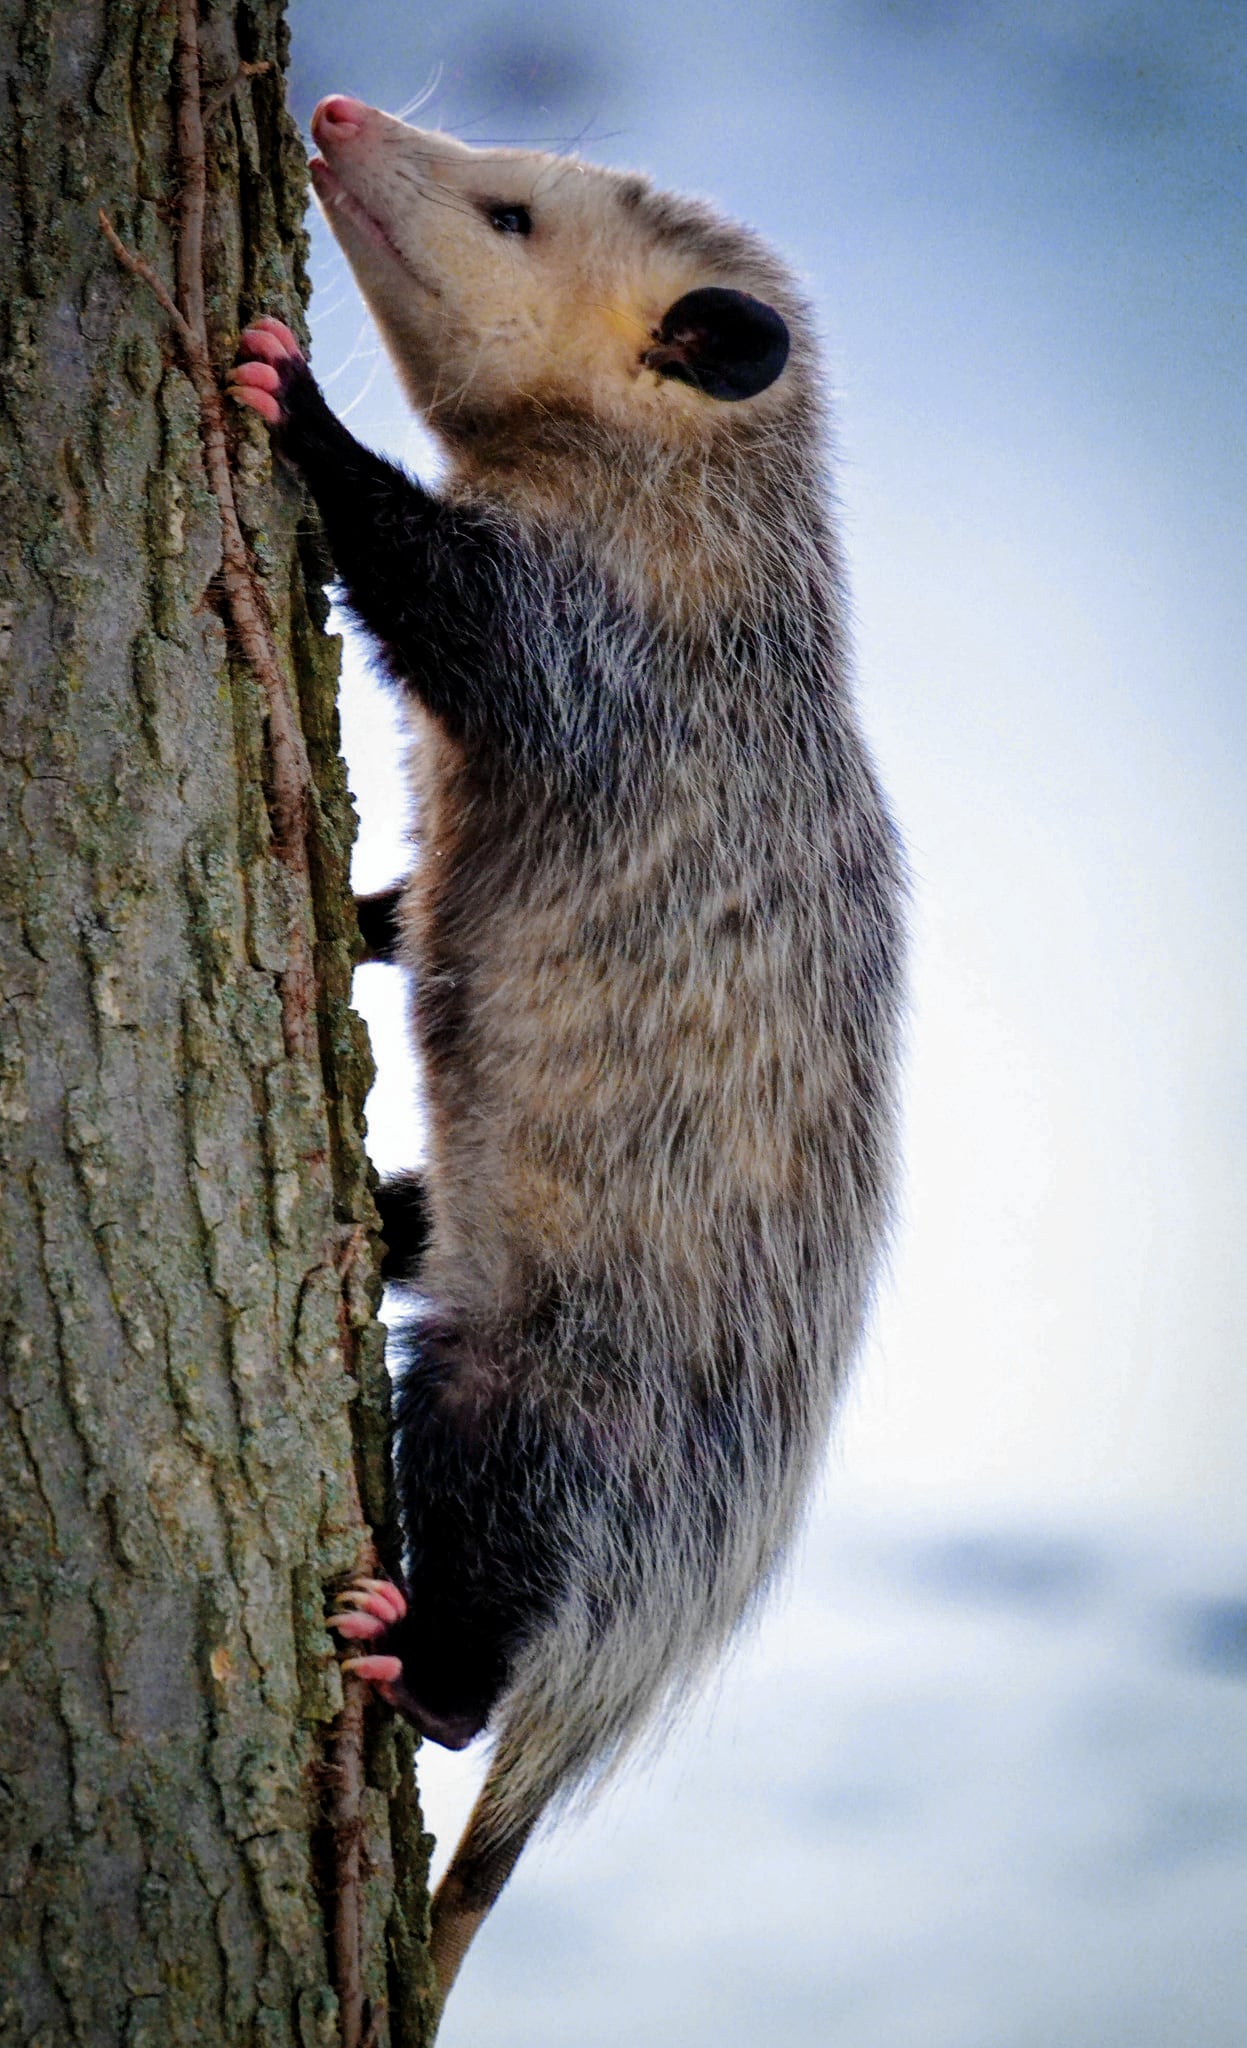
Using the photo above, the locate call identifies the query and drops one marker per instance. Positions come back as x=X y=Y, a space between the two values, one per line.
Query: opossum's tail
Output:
x=479 y=1868
x=556 y=1734
x=580 y=1695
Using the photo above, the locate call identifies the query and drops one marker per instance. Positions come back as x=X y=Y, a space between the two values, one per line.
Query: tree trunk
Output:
x=187 y=1286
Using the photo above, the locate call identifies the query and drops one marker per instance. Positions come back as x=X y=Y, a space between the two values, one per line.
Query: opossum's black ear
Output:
x=724 y=342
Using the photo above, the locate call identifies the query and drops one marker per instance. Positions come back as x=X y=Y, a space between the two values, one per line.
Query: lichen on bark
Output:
x=187 y=1293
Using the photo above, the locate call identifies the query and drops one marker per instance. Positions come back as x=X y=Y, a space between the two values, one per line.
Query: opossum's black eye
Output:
x=724 y=342
x=509 y=220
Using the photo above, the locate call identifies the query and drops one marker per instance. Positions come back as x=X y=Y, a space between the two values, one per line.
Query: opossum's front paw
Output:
x=273 y=360
x=373 y=1608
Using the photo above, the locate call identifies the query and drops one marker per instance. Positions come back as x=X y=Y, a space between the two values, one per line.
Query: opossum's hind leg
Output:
x=403 y=1205
x=485 y=1564
x=379 y=927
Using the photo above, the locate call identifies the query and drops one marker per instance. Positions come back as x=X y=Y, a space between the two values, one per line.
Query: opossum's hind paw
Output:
x=373 y=1607
x=273 y=355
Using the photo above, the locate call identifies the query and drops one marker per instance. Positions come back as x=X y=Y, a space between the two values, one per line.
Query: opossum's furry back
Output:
x=654 y=934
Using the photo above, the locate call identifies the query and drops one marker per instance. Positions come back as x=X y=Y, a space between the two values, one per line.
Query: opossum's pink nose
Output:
x=338 y=117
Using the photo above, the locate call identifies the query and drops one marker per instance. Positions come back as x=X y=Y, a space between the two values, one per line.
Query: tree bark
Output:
x=193 y=1395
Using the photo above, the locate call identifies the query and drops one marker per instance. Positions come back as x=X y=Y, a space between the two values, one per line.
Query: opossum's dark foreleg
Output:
x=403 y=1205
x=425 y=577
x=379 y=925
x=402 y=1201
x=475 y=1485
x=373 y=1611
x=485 y=1565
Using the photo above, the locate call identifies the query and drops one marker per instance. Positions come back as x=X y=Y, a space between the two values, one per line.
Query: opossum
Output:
x=655 y=935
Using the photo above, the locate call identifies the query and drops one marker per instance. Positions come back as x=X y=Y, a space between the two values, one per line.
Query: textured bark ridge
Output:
x=187 y=1290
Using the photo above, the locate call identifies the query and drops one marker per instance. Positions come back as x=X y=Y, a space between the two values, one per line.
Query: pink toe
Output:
x=262 y=375
x=264 y=404
x=386 y=1598
x=358 y=1627
x=266 y=324
x=257 y=341
x=377 y=1670
x=372 y=1603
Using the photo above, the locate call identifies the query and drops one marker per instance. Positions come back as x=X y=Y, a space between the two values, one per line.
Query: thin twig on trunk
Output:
x=347 y=1813
x=192 y=172
x=225 y=93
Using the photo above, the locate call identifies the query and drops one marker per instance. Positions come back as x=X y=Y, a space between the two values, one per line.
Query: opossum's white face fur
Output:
x=513 y=287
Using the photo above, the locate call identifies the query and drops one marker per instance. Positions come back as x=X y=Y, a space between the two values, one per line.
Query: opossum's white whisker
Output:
x=425 y=94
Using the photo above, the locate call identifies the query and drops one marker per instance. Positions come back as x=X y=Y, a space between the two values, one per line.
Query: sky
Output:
x=1021 y=227
x=976 y=1782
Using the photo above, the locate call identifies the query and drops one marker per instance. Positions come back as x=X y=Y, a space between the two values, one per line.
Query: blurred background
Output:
x=979 y=1779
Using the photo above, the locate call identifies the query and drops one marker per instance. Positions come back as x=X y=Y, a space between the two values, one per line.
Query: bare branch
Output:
x=141 y=268
x=347 y=1819
x=192 y=170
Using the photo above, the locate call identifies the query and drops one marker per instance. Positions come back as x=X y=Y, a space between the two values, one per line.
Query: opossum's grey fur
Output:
x=671 y=1109
x=654 y=934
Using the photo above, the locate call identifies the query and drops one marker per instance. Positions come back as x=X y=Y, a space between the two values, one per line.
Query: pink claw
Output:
x=380 y=1605
x=377 y=1597
x=377 y=1670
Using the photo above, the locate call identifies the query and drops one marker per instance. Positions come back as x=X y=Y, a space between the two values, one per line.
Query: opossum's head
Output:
x=514 y=288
